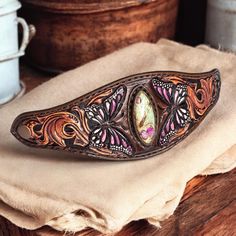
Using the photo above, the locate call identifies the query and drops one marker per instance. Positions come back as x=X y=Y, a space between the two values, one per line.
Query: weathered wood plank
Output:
x=195 y=213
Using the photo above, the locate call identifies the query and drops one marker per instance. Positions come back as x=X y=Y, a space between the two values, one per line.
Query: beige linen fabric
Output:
x=40 y=187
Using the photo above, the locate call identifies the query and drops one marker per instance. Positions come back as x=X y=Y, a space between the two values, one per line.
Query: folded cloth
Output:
x=39 y=187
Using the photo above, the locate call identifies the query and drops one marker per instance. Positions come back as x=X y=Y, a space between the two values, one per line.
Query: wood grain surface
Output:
x=208 y=206
x=71 y=33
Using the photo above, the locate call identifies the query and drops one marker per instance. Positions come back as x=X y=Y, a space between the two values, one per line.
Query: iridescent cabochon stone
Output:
x=144 y=117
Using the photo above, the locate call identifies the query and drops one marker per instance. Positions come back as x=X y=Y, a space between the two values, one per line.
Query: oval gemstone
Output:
x=144 y=117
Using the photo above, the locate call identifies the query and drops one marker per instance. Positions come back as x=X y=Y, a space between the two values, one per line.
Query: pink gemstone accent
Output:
x=144 y=134
x=150 y=131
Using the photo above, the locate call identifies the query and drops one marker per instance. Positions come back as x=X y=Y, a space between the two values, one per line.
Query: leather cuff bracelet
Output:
x=135 y=117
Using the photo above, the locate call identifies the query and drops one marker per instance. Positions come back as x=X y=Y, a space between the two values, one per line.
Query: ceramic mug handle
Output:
x=28 y=33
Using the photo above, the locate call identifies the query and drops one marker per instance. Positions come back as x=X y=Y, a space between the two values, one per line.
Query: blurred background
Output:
x=71 y=32
x=191 y=22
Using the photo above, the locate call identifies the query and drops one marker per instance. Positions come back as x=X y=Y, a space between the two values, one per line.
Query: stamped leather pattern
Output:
x=103 y=123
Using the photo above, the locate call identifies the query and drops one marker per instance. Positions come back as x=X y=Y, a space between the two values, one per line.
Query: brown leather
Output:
x=132 y=118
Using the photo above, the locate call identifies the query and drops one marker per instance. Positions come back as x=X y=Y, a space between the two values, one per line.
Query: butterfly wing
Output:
x=98 y=137
x=168 y=129
x=178 y=116
x=95 y=114
x=119 y=142
x=103 y=135
x=111 y=138
x=98 y=114
x=180 y=94
x=114 y=102
x=181 y=112
x=182 y=116
x=164 y=90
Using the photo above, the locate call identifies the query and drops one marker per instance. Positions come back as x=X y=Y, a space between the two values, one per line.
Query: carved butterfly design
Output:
x=178 y=114
x=104 y=134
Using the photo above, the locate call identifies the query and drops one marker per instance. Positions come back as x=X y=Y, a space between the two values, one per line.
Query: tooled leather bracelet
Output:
x=132 y=118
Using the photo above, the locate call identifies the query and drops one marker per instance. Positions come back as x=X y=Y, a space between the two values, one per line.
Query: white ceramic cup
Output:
x=9 y=52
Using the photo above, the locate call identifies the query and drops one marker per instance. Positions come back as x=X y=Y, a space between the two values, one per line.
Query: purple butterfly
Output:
x=100 y=116
x=178 y=114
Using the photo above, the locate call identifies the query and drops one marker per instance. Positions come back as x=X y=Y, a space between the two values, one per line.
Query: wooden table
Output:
x=208 y=206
